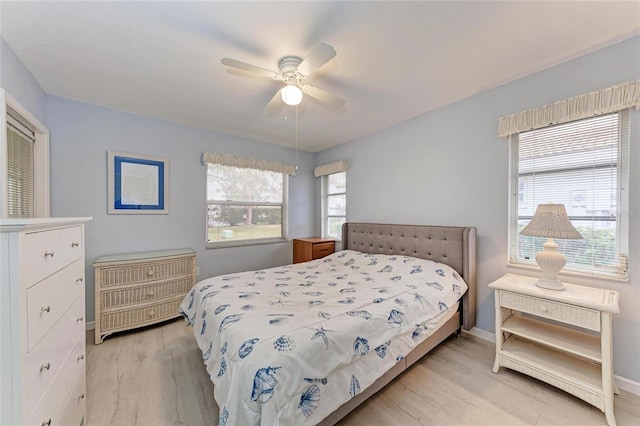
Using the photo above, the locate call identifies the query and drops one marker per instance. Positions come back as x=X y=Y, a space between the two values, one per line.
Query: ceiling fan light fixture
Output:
x=291 y=94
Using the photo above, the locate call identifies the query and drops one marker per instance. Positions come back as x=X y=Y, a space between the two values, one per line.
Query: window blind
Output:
x=20 y=170
x=583 y=165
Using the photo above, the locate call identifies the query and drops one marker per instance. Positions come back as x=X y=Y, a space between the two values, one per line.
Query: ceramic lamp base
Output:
x=550 y=262
x=550 y=284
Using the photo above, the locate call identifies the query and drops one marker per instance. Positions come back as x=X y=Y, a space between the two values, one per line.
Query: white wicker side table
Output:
x=577 y=359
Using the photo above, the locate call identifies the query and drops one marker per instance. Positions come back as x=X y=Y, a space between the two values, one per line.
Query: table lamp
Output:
x=551 y=221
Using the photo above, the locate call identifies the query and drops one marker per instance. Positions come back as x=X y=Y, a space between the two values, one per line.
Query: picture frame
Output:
x=137 y=184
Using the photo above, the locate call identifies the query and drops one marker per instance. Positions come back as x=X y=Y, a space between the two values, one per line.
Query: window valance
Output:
x=248 y=163
x=599 y=102
x=327 y=169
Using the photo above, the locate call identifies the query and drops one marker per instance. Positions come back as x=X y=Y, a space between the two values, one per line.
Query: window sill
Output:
x=243 y=243
x=569 y=274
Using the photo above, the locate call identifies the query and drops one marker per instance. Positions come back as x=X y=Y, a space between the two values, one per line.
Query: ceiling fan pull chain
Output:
x=296 y=138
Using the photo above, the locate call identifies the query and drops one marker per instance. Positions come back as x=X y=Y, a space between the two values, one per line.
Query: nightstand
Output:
x=560 y=337
x=306 y=249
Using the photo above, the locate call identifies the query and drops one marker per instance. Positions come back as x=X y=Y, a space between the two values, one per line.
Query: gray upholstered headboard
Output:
x=452 y=245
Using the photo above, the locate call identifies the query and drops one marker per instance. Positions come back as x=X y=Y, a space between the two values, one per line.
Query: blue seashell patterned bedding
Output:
x=295 y=356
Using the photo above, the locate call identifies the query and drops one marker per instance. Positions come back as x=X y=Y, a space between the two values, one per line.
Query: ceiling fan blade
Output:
x=274 y=103
x=323 y=96
x=248 y=67
x=319 y=55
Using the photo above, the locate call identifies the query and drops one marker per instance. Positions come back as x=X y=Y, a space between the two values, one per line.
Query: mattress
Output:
x=289 y=345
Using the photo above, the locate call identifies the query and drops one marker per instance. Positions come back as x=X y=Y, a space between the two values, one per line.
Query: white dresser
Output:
x=138 y=289
x=563 y=338
x=42 y=340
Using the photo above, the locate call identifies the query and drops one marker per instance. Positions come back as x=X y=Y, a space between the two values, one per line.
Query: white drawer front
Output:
x=49 y=300
x=76 y=405
x=71 y=244
x=54 y=399
x=41 y=256
x=45 y=360
x=569 y=314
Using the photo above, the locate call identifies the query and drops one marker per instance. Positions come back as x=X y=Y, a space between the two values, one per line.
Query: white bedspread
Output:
x=289 y=345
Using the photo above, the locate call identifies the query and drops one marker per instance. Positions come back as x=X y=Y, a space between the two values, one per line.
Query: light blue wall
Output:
x=449 y=167
x=18 y=81
x=81 y=135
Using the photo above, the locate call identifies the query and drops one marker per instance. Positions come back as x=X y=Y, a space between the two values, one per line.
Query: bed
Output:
x=307 y=343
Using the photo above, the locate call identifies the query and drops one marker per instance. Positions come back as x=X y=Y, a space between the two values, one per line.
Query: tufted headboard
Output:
x=451 y=245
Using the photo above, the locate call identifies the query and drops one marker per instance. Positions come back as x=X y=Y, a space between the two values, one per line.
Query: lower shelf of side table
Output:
x=574 y=375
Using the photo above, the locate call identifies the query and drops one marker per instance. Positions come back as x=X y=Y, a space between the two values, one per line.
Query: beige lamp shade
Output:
x=550 y=221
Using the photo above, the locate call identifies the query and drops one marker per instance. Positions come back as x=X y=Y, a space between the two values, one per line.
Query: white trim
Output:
x=623 y=383
x=41 y=155
x=599 y=102
x=628 y=385
x=91 y=325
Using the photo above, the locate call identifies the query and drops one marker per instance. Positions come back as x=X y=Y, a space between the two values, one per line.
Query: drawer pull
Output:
x=79 y=280
x=80 y=397
x=48 y=253
x=79 y=319
x=80 y=358
x=75 y=245
x=45 y=309
x=46 y=422
x=151 y=313
x=150 y=272
x=45 y=366
x=151 y=293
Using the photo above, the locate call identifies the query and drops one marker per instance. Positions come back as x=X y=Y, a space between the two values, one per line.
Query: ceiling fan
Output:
x=293 y=71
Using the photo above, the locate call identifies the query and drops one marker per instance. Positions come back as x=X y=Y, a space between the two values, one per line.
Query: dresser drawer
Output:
x=129 y=318
x=322 y=249
x=49 y=300
x=145 y=272
x=41 y=256
x=566 y=313
x=44 y=361
x=71 y=244
x=74 y=411
x=53 y=401
x=124 y=296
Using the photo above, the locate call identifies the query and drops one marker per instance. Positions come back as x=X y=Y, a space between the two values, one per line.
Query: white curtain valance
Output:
x=605 y=101
x=248 y=163
x=327 y=169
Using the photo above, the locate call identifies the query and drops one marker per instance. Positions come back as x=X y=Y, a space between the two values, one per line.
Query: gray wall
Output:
x=449 y=167
x=19 y=82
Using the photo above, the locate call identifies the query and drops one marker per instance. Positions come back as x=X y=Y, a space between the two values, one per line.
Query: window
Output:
x=20 y=170
x=24 y=162
x=245 y=206
x=334 y=204
x=583 y=165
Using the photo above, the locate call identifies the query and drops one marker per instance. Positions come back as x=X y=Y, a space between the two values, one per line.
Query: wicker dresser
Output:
x=138 y=289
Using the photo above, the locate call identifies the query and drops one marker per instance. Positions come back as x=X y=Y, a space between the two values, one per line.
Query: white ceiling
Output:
x=396 y=60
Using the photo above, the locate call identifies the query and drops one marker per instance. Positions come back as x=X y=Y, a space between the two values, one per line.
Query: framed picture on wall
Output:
x=137 y=184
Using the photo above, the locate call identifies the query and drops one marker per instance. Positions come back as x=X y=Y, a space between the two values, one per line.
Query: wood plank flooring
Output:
x=155 y=377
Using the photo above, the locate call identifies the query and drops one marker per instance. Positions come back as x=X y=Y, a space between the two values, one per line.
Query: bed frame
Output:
x=452 y=245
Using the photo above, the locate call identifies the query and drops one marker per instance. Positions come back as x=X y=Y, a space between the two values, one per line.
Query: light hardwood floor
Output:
x=155 y=377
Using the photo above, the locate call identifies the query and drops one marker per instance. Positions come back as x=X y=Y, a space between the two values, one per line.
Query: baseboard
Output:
x=482 y=334
x=91 y=325
x=622 y=382
x=628 y=385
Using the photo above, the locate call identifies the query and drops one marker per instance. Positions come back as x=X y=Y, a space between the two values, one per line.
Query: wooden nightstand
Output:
x=564 y=339
x=306 y=249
